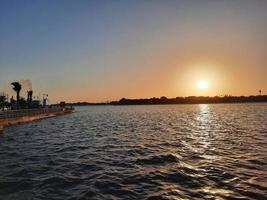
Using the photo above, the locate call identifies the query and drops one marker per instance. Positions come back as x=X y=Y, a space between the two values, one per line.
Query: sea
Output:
x=150 y=152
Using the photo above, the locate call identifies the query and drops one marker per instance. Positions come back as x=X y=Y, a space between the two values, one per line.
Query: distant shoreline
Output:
x=181 y=100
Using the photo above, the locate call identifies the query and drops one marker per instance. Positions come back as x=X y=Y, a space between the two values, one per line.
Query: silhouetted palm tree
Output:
x=17 y=88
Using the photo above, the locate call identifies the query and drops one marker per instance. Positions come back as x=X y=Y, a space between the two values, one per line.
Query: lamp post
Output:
x=45 y=97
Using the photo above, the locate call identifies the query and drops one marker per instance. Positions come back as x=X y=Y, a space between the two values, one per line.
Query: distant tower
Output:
x=29 y=96
x=260 y=92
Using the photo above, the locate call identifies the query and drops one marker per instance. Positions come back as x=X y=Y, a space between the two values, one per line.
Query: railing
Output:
x=27 y=112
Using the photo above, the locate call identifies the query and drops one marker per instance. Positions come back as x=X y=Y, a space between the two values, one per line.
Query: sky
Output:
x=105 y=50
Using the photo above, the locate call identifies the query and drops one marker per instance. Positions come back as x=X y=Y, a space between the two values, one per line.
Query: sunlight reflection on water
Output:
x=139 y=152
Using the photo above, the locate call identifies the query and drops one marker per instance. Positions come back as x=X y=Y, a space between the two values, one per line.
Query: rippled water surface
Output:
x=139 y=152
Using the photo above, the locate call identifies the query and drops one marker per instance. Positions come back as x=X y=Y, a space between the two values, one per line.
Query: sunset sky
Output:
x=104 y=50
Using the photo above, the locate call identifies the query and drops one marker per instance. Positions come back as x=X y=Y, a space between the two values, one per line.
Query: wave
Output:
x=159 y=159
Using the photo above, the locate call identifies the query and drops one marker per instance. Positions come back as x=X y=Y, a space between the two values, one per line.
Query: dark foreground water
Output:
x=139 y=152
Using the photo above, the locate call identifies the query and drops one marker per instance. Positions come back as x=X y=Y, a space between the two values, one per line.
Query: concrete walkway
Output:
x=19 y=117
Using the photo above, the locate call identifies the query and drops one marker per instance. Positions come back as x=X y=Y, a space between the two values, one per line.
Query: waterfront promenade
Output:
x=13 y=117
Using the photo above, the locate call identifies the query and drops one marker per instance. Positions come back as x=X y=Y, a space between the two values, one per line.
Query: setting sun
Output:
x=202 y=85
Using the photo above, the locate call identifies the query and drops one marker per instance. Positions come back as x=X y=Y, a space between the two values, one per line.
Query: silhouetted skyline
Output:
x=181 y=100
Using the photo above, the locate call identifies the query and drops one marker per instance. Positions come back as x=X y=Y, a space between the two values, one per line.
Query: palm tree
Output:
x=17 y=88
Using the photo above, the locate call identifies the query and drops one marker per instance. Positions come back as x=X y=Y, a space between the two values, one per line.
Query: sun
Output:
x=202 y=85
